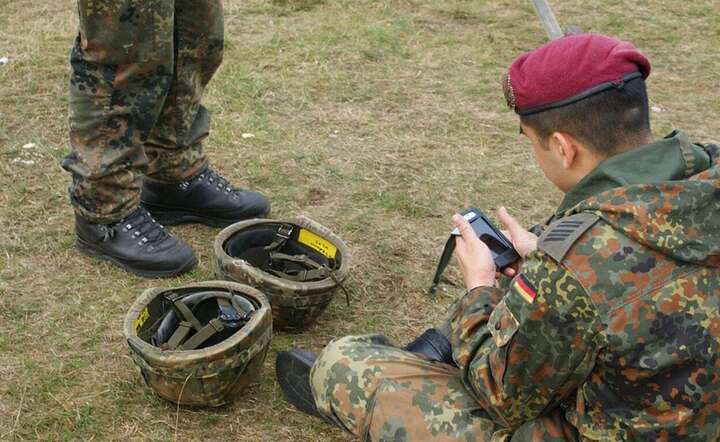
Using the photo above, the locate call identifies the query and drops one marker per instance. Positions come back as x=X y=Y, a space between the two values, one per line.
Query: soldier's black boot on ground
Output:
x=137 y=243
x=207 y=198
x=434 y=345
x=292 y=369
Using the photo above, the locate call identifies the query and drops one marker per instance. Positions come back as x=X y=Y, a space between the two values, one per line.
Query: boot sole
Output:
x=175 y=217
x=293 y=377
x=91 y=251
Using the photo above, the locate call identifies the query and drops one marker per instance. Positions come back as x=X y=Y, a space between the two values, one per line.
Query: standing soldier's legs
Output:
x=122 y=68
x=180 y=187
x=380 y=392
x=175 y=145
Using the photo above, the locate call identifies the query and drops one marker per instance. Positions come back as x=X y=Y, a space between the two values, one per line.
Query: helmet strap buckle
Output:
x=285 y=231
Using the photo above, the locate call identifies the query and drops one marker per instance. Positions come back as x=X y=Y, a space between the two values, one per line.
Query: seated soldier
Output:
x=610 y=329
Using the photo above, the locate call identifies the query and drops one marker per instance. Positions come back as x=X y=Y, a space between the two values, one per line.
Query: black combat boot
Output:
x=137 y=243
x=207 y=198
x=434 y=345
x=292 y=369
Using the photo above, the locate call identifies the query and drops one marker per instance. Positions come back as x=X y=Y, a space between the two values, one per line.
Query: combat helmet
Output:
x=199 y=344
x=297 y=263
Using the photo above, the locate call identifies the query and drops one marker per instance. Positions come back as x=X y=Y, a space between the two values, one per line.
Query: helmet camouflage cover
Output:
x=298 y=263
x=199 y=344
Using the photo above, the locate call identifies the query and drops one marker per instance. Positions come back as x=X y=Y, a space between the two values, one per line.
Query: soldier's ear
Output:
x=565 y=148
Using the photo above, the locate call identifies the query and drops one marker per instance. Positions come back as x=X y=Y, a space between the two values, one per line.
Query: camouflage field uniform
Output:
x=139 y=70
x=611 y=331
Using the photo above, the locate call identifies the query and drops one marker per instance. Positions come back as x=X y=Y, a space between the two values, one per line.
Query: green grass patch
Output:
x=377 y=119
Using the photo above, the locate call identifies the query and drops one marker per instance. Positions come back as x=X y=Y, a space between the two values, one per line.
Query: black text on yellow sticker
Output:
x=142 y=317
x=318 y=243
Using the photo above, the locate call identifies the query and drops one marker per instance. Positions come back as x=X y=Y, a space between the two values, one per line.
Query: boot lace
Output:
x=144 y=228
x=220 y=183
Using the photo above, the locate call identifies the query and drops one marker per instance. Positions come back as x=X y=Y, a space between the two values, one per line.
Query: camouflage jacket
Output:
x=615 y=318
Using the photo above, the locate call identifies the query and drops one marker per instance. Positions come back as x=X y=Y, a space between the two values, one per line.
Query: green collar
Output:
x=670 y=159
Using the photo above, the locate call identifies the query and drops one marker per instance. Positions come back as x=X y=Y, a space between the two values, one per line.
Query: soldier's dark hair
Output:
x=608 y=122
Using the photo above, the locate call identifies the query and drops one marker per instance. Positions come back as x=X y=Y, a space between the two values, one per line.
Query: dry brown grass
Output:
x=377 y=118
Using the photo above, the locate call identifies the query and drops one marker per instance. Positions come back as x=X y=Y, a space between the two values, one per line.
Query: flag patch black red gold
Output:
x=526 y=290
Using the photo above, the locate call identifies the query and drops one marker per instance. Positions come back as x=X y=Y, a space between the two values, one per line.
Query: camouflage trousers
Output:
x=380 y=392
x=139 y=70
x=383 y=393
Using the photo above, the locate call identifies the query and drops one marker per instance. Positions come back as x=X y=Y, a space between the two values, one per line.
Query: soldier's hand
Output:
x=474 y=257
x=523 y=241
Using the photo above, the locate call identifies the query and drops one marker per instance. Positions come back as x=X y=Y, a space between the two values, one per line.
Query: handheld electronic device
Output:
x=500 y=247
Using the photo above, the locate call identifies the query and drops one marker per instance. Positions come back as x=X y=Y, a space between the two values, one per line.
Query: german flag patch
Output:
x=526 y=290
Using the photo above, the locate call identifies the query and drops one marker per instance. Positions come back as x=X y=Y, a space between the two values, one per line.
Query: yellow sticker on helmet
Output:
x=318 y=243
x=142 y=317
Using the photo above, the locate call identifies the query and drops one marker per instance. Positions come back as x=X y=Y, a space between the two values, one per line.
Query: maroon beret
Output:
x=569 y=69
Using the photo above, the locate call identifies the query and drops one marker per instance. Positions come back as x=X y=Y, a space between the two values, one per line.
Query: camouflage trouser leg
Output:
x=175 y=145
x=123 y=68
x=383 y=393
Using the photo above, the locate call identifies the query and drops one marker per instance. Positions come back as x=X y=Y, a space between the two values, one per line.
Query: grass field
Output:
x=378 y=119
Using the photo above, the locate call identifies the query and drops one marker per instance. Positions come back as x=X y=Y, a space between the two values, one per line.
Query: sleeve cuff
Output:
x=468 y=319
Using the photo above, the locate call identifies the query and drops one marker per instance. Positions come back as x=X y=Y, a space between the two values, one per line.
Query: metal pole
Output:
x=547 y=18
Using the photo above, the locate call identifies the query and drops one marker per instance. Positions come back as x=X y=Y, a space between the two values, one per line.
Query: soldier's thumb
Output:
x=511 y=223
x=466 y=231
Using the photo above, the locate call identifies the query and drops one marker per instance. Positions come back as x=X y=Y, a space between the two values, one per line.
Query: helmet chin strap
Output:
x=298 y=267
x=229 y=317
x=316 y=271
x=308 y=270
